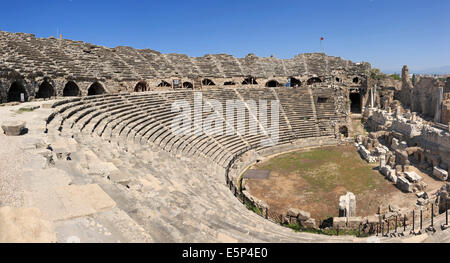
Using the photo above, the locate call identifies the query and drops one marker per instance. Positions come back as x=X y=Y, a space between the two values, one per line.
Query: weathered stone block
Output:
x=303 y=215
x=403 y=184
x=310 y=223
x=413 y=177
x=408 y=168
x=388 y=172
x=420 y=186
x=366 y=154
x=421 y=195
x=339 y=222
x=120 y=177
x=382 y=161
x=440 y=173
x=297 y=213
x=354 y=222
x=293 y=212
x=394 y=208
x=422 y=201
x=374 y=219
x=392 y=176
x=47 y=105
x=13 y=128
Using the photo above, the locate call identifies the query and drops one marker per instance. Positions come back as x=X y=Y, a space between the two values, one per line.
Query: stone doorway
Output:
x=344 y=131
x=141 y=86
x=14 y=93
x=355 y=100
x=45 y=91
x=71 y=90
x=96 y=89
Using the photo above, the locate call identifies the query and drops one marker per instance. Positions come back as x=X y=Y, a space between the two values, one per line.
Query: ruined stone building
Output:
x=42 y=68
x=111 y=126
x=427 y=96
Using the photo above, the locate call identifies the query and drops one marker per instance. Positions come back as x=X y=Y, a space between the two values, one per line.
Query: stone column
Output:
x=398 y=112
x=375 y=95
x=437 y=115
x=347 y=205
x=382 y=160
x=371 y=97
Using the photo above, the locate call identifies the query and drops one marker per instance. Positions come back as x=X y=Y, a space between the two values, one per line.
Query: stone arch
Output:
x=344 y=131
x=208 y=82
x=229 y=83
x=273 y=84
x=164 y=83
x=96 y=89
x=355 y=80
x=71 y=89
x=295 y=82
x=313 y=80
x=45 y=91
x=249 y=81
x=140 y=86
x=16 y=89
x=188 y=85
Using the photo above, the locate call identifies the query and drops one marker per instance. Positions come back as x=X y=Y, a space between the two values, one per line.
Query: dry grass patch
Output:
x=313 y=180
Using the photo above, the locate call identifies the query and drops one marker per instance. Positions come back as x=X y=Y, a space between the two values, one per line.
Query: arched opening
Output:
x=176 y=83
x=338 y=79
x=249 y=81
x=273 y=84
x=295 y=82
x=356 y=80
x=344 y=131
x=96 y=89
x=355 y=99
x=229 y=83
x=208 y=82
x=71 y=90
x=322 y=100
x=188 y=85
x=45 y=91
x=313 y=80
x=164 y=84
x=15 y=92
x=140 y=86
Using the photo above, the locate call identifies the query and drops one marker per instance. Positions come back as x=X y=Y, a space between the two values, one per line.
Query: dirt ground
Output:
x=313 y=180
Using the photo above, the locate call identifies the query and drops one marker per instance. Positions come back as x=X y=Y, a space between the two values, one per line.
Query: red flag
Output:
x=321 y=38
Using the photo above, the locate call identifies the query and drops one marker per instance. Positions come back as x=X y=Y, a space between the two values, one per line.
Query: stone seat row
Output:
x=147 y=118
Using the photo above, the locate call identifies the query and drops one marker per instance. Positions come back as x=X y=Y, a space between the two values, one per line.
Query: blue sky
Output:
x=388 y=34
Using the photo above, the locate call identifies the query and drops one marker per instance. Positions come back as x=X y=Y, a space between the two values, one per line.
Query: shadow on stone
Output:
x=24 y=131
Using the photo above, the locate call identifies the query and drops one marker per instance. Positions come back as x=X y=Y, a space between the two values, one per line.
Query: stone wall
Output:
x=30 y=60
x=424 y=96
x=445 y=116
x=404 y=94
x=389 y=83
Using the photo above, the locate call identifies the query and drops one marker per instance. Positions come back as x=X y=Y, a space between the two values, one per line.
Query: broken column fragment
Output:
x=13 y=128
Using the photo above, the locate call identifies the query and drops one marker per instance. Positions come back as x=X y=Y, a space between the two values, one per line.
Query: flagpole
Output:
x=321 y=47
